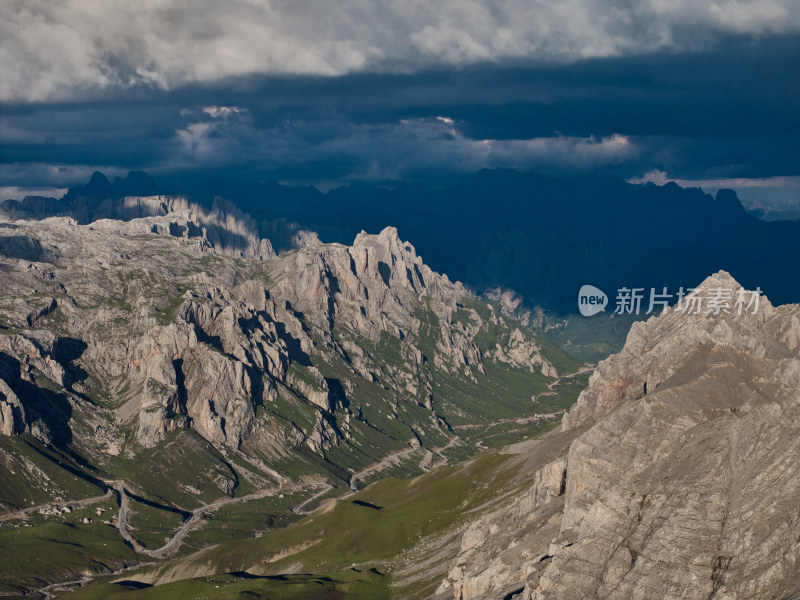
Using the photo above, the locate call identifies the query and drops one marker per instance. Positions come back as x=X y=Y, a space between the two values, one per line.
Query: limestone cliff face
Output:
x=178 y=318
x=12 y=412
x=680 y=473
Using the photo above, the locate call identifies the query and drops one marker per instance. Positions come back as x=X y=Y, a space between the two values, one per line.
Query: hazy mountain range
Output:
x=540 y=237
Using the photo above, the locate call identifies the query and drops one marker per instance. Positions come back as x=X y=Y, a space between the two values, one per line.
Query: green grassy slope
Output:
x=348 y=549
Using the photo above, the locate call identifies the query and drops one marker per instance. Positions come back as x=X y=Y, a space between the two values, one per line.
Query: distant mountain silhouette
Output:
x=545 y=237
x=542 y=237
x=137 y=183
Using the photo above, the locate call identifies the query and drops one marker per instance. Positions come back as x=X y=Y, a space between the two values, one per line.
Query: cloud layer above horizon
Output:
x=71 y=49
x=324 y=93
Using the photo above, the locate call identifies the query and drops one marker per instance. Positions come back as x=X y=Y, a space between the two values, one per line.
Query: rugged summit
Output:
x=117 y=336
x=675 y=475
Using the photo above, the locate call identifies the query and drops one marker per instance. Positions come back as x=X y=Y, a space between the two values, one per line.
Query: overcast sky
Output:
x=313 y=91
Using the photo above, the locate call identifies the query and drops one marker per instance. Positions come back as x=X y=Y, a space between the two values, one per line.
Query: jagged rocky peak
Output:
x=368 y=283
x=12 y=413
x=386 y=256
x=169 y=333
x=676 y=475
x=380 y=286
x=719 y=313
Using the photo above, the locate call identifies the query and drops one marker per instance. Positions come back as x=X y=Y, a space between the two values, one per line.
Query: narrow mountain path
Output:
x=426 y=460
x=122 y=515
x=196 y=516
x=298 y=509
x=587 y=369
x=54 y=590
x=398 y=456
x=389 y=460
x=518 y=420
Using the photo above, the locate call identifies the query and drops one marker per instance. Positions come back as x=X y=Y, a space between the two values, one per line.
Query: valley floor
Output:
x=239 y=518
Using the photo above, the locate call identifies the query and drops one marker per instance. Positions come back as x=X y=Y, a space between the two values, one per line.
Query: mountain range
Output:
x=541 y=238
x=187 y=412
x=176 y=359
x=674 y=475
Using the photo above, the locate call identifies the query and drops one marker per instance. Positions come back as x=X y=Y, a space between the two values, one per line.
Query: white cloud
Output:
x=661 y=178
x=30 y=175
x=18 y=193
x=391 y=151
x=347 y=151
x=217 y=112
x=57 y=50
x=417 y=145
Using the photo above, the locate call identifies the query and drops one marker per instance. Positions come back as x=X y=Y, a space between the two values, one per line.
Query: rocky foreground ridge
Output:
x=675 y=475
x=117 y=334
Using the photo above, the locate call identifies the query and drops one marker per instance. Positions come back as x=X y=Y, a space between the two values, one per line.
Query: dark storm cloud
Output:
x=727 y=112
x=74 y=48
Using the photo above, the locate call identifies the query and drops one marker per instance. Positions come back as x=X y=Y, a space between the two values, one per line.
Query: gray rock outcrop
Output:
x=12 y=412
x=680 y=473
x=169 y=317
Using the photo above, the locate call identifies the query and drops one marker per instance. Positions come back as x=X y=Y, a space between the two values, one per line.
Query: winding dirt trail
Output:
x=537 y=417
x=387 y=461
x=395 y=458
x=54 y=590
x=172 y=546
x=426 y=460
x=518 y=420
x=196 y=516
x=298 y=509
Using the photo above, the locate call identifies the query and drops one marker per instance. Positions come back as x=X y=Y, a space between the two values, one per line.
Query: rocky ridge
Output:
x=674 y=475
x=219 y=222
x=186 y=321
